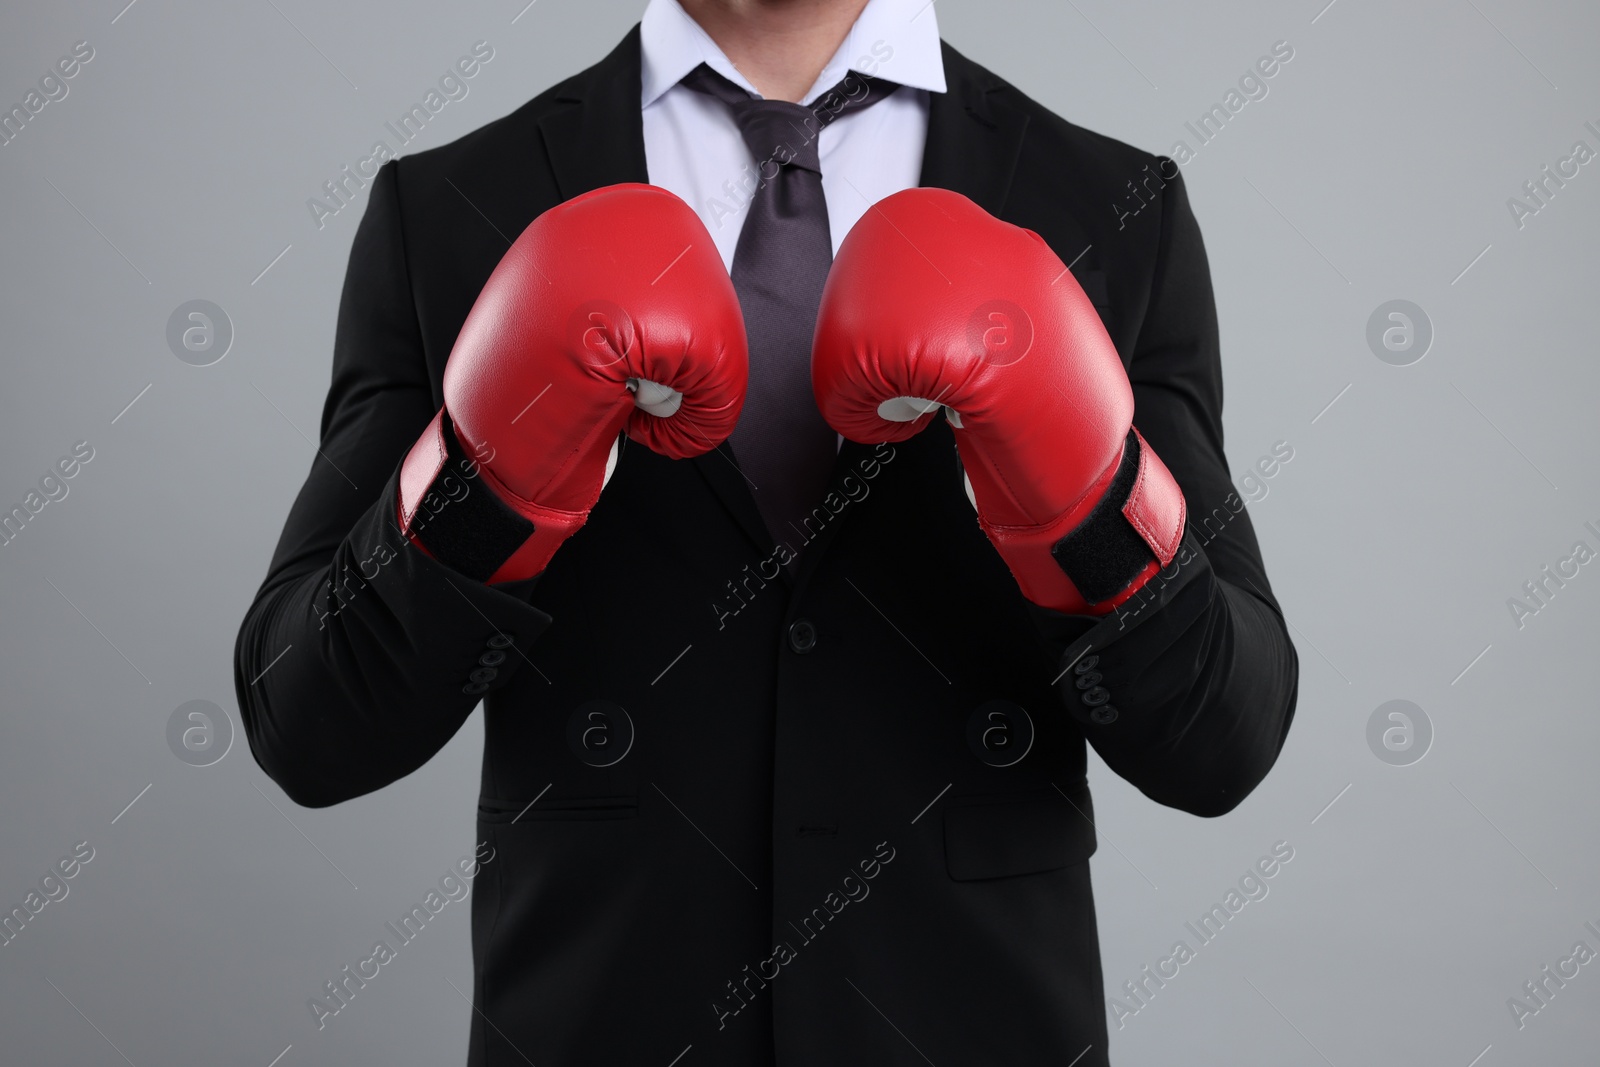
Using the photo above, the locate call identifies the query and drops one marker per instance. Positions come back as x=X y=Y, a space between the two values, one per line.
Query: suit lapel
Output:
x=595 y=133
x=721 y=471
x=588 y=135
x=973 y=140
x=850 y=455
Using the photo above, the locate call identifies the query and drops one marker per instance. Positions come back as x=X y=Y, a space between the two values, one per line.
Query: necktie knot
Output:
x=782 y=133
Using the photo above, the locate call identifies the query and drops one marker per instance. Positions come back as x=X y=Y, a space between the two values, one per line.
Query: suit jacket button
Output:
x=483 y=675
x=1104 y=714
x=502 y=641
x=492 y=658
x=1089 y=680
x=1085 y=665
x=1097 y=696
x=802 y=636
x=475 y=688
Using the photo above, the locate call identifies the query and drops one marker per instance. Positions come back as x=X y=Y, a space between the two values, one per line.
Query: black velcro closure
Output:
x=462 y=521
x=1104 y=552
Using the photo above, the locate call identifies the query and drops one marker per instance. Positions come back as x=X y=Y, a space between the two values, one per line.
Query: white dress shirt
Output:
x=693 y=147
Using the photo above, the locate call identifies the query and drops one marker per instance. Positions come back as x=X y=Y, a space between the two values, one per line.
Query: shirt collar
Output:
x=893 y=39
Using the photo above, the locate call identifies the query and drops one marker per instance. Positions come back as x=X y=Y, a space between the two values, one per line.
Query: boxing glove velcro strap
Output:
x=1104 y=553
x=460 y=520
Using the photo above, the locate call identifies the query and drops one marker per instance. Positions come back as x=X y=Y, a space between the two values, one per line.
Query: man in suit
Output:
x=751 y=806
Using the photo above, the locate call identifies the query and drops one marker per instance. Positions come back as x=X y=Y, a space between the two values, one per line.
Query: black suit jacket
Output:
x=838 y=817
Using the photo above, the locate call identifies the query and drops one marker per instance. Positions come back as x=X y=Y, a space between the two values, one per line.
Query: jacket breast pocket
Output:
x=567 y=809
x=1015 y=834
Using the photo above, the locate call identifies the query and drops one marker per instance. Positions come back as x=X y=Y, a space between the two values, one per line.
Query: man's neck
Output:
x=781 y=46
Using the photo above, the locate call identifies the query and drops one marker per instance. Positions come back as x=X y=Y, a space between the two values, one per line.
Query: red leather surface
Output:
x=932 y=297
x=620 y=283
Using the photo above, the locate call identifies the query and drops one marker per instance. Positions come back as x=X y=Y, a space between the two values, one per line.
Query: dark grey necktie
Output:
x=784 y=447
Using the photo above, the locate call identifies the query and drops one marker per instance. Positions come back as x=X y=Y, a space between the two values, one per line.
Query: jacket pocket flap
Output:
x=495 y=810
x=1001 y=837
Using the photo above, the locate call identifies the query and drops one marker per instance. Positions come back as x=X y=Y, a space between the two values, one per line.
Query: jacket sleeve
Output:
x=361 y=656
x=1188 y=690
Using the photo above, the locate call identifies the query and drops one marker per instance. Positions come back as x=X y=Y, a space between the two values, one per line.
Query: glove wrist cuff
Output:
x=1116 y=543
x=1104 y=558
x=451 y=506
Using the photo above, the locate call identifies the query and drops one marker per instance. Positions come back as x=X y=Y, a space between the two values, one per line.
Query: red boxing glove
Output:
x=611 y=311
x=932 y=303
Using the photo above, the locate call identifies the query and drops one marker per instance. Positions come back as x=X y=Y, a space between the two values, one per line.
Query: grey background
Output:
x=1377 y=168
